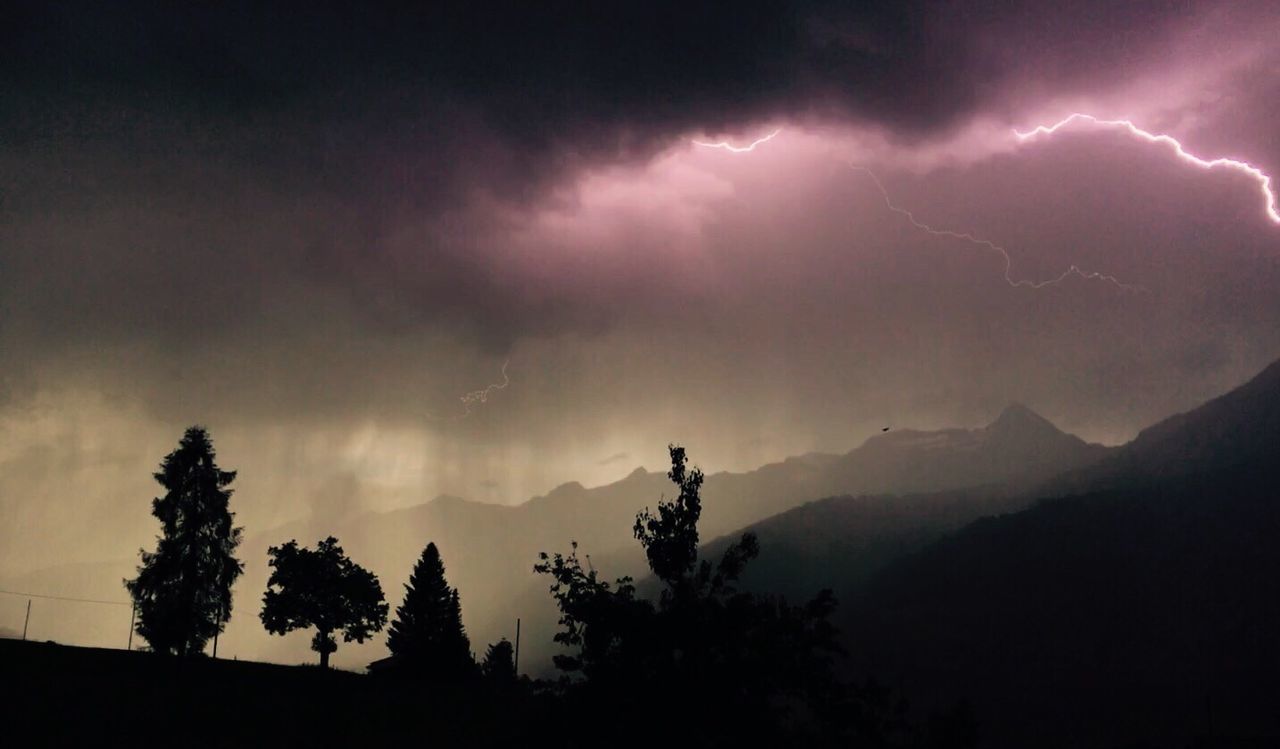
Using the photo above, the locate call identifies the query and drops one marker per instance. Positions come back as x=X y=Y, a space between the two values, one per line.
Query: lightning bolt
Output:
x=1073 y=270
x=1263 y=180
x=482 y=395
x=726 y=145
x=475 y=396
x=1259 y=177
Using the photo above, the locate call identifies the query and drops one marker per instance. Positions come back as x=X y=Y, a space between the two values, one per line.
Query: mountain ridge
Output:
x=1136 y=591
x=489 y=549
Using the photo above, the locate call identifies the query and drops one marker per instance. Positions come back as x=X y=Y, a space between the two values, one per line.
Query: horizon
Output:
x=85 y=627
x=659 y=469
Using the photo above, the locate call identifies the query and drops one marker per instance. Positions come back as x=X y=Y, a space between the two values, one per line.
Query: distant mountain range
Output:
x=489 y=549
x=1095 y=596
x=1132 y=599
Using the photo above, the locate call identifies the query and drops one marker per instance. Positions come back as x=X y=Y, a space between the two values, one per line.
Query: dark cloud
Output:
x=202 y=166
x=286 y=211
x=574 y=77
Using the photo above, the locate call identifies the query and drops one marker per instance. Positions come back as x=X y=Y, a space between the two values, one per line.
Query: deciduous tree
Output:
x=717 y=658
x=322 y=589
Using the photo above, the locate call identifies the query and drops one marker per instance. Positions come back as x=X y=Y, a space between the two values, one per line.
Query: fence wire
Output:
x=69 y=620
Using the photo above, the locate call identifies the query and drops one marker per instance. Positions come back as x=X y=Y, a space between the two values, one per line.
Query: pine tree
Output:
x=499 y=663
x=456 y=641
x=427 y=636
x=183 y=588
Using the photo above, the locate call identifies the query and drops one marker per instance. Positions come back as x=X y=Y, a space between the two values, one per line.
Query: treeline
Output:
x=183 y=589
x=719 y=665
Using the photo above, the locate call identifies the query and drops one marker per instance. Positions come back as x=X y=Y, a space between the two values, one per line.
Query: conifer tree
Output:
x=455 y=635
x=427 y=636
x=499 y=663
x=183 y=589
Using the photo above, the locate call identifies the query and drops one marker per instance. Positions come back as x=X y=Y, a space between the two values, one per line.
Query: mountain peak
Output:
x=1018 y=419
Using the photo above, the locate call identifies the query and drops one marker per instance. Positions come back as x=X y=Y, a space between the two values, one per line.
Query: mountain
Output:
x=1019 y=448
x=1236 y=429
x=1129 y=601
x=489 y=550
x=840 y=542
x=1139 y=614
x=941 y=481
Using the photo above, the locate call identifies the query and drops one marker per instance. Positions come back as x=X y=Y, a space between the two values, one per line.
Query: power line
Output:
x=66 y=598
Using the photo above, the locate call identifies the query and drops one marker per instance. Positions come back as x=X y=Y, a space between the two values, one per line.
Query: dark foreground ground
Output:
x=56 y=695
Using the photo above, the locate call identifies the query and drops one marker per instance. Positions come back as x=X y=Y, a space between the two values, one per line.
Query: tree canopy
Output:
x=183 y=589
x=322 y=589
x=715 y=656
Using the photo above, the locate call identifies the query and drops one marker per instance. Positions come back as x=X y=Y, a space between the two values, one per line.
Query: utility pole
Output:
x=26 y=621
x=216 y=631
x=133 y=613
x=516 y=664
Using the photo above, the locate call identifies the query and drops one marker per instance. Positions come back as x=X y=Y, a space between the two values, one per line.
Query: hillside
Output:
x=941 y=481
x=55 y=695
x=1139 y=613
x=1238 y=428
x=835 y=542
x=842 y=541
x=1142 y=609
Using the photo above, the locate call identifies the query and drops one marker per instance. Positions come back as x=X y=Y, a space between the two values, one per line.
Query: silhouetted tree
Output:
x=499 y=665
x=427 y=636
x=322 y=589
x=725 y=660
x=670 y=539
x=601 y=622
x=183 y=588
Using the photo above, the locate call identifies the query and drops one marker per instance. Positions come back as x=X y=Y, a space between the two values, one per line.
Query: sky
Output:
x=321 y=233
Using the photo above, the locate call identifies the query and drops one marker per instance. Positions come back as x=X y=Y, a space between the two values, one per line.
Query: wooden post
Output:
x=516 y=663
x=26 y=621
x=216 y=631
